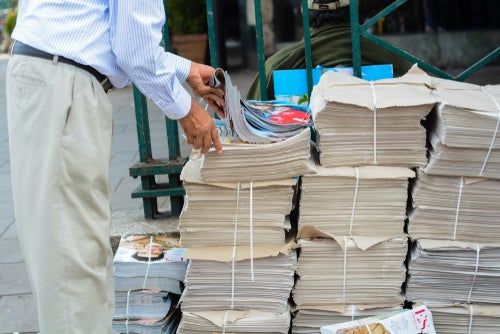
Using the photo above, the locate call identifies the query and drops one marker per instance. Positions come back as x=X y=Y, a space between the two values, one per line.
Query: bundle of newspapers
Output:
x=234 y=321
x=372 y=123
x=452 y=272
x=342 y=270
x=146 y=262
x=464 y=129
x=259 y=121
x=310 y=320
x=365 y=201
x=217 y=214
x=455 y=208
x=242 y=162
x=464 y=319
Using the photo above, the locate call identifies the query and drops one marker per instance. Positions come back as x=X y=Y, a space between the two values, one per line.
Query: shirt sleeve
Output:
x=136 y=32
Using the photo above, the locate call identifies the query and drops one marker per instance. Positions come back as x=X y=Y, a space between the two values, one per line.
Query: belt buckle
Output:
x=106 y=85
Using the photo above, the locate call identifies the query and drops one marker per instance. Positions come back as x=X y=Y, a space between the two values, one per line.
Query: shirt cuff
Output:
x=182 y=66
x=180 y=108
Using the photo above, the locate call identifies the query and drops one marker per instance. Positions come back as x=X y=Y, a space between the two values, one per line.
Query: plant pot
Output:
x=192 y=47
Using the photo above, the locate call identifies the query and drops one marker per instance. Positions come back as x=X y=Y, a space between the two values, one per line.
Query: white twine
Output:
x=475 y=273
x=354 y=200
x=345 y=269
x=369 y=330
x=251 y=230
x=497 y=105
x=225 y=323
x=374 y=124
x=235 y=233
x=470 y=319
x=126 y=311
x=457 y=211
x=149 y=263
x=352 y=308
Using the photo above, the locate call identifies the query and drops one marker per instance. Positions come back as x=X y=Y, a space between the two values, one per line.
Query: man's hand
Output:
x=198 y=78
x=200 y=130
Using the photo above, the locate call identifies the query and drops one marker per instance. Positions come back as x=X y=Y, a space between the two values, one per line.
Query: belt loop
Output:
x=11 y=49
x=55 y=59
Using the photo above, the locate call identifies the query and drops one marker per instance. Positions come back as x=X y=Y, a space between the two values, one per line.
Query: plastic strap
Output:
x=354 y=200
x=225 y=323
x=475 y=273
x=352 y=308
x=126 y=311
x=251 y=230
x=457 y=211
x=345 y=269
x=497 y=105
x=470 y=319
x=235 y=233
x=369 y=330
x=374 y=124
x=149 y=263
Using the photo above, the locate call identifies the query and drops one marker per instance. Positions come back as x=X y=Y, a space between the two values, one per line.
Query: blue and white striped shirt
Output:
x=119 y=38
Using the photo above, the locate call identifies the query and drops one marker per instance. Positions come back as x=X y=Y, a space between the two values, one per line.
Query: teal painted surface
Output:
x=355 y=37
x=260 y=49
x=212 y=39
x=307 y=43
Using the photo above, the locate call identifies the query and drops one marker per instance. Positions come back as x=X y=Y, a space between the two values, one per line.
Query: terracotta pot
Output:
x=192 y=47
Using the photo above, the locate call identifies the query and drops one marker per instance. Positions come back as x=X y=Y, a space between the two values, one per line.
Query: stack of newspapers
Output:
x=458 y=319
x=464 y=129
x=208 y=218
x=342 y=270
x=450 y=272
x=368 y=200
x=148 y=272
x=371 y=123
x=308 y=321
x=455 y=208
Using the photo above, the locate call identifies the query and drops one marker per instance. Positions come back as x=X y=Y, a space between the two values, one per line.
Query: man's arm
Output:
x=136 y=27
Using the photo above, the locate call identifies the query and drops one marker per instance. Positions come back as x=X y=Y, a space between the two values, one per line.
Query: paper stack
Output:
x=363 y=201
x=455 y=208
x=465 y=319
x=452 y=272
x=243 y=162
x=210 y=210
x=234 y=322
x=309 y=321
x=361 y=122
x=463 y=130
x=148 y=272
x=349 y=269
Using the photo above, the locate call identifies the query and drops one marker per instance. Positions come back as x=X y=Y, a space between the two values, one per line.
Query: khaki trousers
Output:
x=60 y=124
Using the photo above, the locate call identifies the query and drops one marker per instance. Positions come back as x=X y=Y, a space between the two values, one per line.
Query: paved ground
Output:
x=17 y=311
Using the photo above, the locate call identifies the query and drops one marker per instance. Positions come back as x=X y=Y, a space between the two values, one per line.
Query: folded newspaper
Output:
x=415 y=321
x=463 y=318
x=258 y=121
x=167 y=325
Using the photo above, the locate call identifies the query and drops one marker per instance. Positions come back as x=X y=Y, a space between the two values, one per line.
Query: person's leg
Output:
x=59 y=123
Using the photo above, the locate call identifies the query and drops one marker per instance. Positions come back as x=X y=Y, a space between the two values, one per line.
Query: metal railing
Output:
x=148 y=167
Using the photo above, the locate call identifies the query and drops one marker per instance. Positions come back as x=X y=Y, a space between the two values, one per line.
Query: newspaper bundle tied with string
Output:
x=262 y=140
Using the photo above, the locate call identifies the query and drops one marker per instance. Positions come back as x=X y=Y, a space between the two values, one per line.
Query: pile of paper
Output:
x=349 y=270
x=455 y=208
x=144 y=262
x=234 y=322
x=465 y=319
x=143 y=304
x=361 y=122
x=243 y=162
x=167 y=325
x=309 y=321
x=219 y=214
x=239 y=278
x=454 y=272
x=366 y=201
x=464 y=130
x=259 y=121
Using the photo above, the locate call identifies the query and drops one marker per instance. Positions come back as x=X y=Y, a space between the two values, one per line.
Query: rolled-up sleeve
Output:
x=136 y=32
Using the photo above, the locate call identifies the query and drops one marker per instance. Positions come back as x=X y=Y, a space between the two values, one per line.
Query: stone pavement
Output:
x=17 y=310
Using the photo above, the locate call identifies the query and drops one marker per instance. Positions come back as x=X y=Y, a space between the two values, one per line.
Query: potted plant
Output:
x=188 y=28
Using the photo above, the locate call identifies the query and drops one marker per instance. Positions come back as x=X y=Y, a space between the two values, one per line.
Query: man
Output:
x=59 y=121
x=330 y=46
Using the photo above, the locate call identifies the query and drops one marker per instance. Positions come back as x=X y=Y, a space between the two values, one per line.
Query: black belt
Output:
x=26 y=50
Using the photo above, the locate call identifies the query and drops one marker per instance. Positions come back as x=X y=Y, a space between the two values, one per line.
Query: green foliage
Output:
x=187 y=16
x=10 y=22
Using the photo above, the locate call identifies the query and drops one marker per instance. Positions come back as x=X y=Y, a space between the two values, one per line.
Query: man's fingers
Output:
x=207 y=143
x=189 y=139
x=197 y=142
x=212 y=97
x=216 y=140
x=218 y=109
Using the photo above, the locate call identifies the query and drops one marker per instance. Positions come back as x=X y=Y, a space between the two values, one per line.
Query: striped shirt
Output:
x=119 y=38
